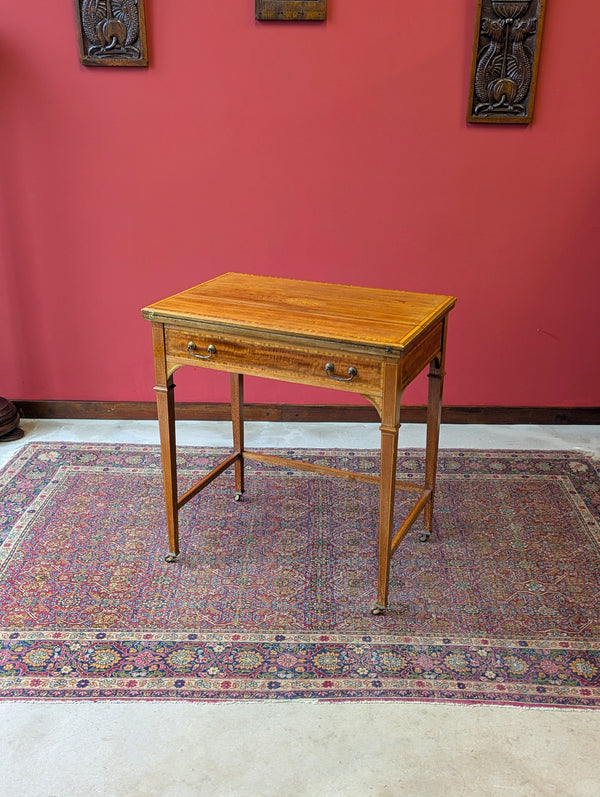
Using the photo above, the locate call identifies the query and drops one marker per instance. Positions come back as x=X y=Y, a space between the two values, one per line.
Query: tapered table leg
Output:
x=390 y=423
x=387 y=492
x=165 y=402
x=434 y=415
x=237 y=418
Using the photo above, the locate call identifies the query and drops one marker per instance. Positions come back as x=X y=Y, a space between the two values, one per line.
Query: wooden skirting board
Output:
x=146 y=410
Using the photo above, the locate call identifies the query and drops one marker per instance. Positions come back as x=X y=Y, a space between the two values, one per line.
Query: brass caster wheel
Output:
x=424 y=536
x=237 y=497
x=377 y=610
x=171 y=557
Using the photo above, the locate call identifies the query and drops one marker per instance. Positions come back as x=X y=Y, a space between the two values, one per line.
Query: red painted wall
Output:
x=335 y=151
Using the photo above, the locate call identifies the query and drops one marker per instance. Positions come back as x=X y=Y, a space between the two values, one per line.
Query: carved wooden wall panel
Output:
x=286 y=10
x=111 y=32
x=506 y=51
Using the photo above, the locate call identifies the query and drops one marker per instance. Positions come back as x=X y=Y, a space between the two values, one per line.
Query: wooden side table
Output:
x=361 y=340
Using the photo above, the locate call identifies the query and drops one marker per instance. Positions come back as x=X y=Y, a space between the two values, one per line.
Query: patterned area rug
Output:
x=271 y=596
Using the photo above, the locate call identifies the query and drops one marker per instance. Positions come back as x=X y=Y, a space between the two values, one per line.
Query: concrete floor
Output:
x=298 y=748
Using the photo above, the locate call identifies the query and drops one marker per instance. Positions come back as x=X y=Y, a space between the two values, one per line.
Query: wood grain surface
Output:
x=343 y=313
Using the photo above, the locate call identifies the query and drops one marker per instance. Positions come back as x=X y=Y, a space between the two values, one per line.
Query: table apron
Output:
x=426 y=348
x=297 y=363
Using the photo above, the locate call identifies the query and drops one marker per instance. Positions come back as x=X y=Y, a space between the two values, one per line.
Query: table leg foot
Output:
x=378 y=609
x=171 y=557
x=424 y=536
x=237 y=496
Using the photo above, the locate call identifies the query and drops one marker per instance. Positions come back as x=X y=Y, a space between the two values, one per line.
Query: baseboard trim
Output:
x=146 y=410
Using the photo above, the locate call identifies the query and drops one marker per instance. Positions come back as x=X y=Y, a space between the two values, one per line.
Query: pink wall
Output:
x=334 y=151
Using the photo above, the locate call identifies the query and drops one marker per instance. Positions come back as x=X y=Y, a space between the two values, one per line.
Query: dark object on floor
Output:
x=9 y=421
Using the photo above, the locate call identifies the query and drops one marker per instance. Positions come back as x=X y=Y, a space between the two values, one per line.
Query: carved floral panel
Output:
x=111 y=32
x=288 y=10
x=506 y=50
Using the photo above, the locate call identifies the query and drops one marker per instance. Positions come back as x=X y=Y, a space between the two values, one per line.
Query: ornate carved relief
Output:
x=506 y=49
x=286 y=10
x=111 y=32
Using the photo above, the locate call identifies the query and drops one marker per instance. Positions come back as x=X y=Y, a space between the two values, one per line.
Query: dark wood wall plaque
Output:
x=111 y=32
x=506 y=52
x=286 y=10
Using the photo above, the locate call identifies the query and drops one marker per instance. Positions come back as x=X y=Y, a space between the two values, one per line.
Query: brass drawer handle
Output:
x=330 y=368
x=211 y=350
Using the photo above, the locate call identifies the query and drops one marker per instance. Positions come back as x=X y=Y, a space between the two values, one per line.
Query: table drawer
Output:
x=343 y=370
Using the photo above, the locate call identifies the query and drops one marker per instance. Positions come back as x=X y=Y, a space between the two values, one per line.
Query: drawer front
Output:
x=340 y=370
